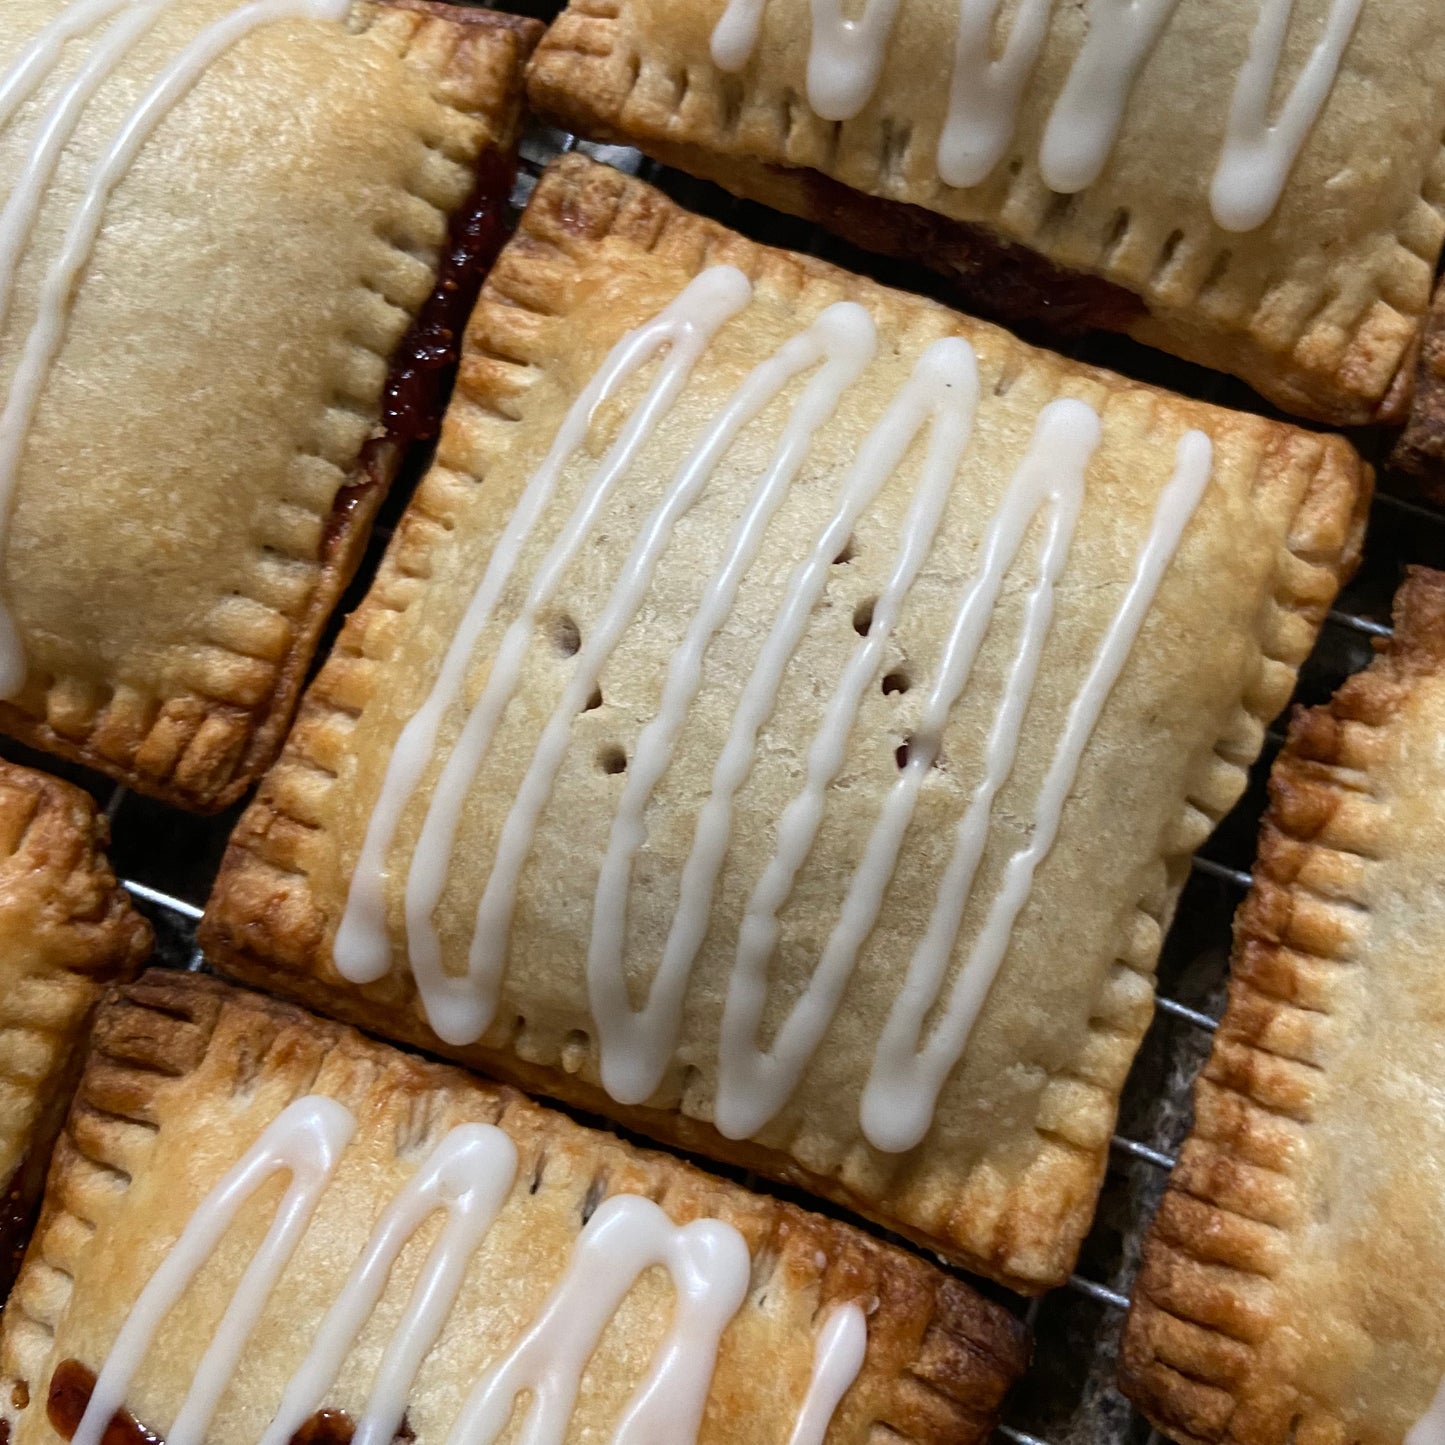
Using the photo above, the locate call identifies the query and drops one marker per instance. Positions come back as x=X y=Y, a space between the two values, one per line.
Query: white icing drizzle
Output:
x=846 y=60
x=842 y=1346
x=753 y=1084
x=844 y=339
x=1258 y=156
x=39 y=55
x=468 y=1174
x=1084 y=123
x=1429 y=1429
x=57 y=126
x=305 y=1141
x=941 y=383
x=459 y=1009
x=710 y=1267
x=985 y=92
x=58 y=289
x=637 y=1044
x=902 y=1091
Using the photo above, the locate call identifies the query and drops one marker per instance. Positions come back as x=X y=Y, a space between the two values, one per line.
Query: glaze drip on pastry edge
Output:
x=468 y=1175
x=635 y=1045
x=37 y=61
x=846 y=60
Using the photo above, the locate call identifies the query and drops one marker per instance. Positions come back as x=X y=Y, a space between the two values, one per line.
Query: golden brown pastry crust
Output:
x=276 y=904
x=172 y=656
x=1321 y=309
x=1289 y=1284
x=66 y=929
x=185 y=1068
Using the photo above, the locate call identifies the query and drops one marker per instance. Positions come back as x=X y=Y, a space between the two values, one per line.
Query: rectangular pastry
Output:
x=784 y=717
x=233 y=244
x=263 y=1227
x=1257 y=185
x=66 y=929
x=1290 y=1285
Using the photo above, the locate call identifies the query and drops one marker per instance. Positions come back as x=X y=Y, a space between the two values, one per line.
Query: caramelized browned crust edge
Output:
x=588 y=74
x=54 y=875
x=1420 y=451
x=265 y=925
x=951 y=1355
x=1203 y=1297
x=203 y=752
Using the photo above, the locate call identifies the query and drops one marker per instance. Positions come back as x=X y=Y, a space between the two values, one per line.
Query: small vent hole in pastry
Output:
x=566 y=635
x=594 y=701
x=1171 y=248
x=539 y=1169
x=897 y=681
x=902 y=753
x=20 y=1395
x=849 y=552
x=611 y=759
x=863 y=616
x=594 y=1196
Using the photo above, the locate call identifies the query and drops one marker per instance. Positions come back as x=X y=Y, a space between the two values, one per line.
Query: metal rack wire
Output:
x=167 y=861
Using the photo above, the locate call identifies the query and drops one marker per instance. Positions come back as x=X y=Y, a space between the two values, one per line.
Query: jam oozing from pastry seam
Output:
x=991 y=276
x=846 y=60
x=72 y=1385
x=412 y=403
x=468 y=1177
x=936 y=405
x=129 y=21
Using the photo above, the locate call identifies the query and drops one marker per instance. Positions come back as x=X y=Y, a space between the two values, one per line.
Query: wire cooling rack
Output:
x=168 y=860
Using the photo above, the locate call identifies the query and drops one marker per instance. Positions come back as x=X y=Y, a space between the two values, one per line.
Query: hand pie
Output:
x=66 y=928
x=263 y=1227
x=221 y=227
x=1290 y=1287
x=1256 y=185
x=784 y=718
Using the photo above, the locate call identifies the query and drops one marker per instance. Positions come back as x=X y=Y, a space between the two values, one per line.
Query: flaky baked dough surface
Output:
x=172 y=554
x=1290 y=1284
x=1321 y=309
x=1007 y=1178
x=66 y=928
x=184 y=1074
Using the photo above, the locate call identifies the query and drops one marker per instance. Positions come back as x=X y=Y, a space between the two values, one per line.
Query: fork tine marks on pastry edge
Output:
x=902 y=1091
x=362 y=950
x=61 y=281
x=754 y=1084
x=470 y=1174
x=305 y=1141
